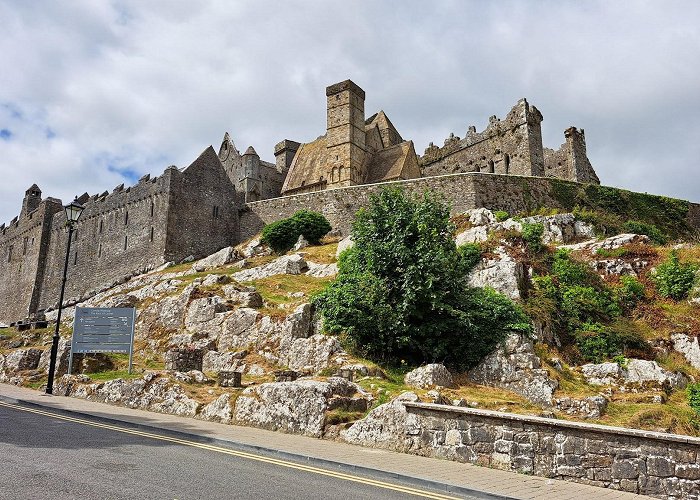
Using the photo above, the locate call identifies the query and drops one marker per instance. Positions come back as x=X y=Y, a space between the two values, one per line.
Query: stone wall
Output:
x=509 y=146
x=23 y=251
x=649 y=463
x=118 y=234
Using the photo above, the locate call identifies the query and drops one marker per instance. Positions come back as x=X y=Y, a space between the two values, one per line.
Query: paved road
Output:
x=48 y=455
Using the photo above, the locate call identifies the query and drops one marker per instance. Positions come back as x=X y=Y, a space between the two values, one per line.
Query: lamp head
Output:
x=73 y=211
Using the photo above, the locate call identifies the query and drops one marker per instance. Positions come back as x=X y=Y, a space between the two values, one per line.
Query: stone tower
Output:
x=345 y=134
x=252 y=181
x=32 y=199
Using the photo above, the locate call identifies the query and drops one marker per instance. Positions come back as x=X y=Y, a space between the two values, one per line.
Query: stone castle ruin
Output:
x=221 y=200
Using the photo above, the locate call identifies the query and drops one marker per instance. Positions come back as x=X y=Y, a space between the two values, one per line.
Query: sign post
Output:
x=98 y=329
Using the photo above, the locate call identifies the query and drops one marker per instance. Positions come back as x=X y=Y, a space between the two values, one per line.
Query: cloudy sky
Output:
x=96 y=93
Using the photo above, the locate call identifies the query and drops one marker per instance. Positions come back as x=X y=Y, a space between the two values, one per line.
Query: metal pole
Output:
x=54 y=345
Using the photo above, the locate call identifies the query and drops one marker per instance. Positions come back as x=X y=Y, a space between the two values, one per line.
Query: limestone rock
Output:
x=480 y=216
x=602 y=373
x=688 y=347
x=429 y=376
x=516 y=367
x=301 y=243
x=253 y=248
x=214 y=361
x=589 y=407
x=344 y=244
x=638 y=372
x=562 y=228
x=62 y=356
x=220 y=258
x=611 y=243
x=311 y=354
x=287 y=264
x=472 y=235
x=244 y=298
x=238 y=330
x=385 y=426
x=321 y=270
x=218 y=410
x=504 y=274
x=215 y=279
x=297 y=407
x=23 y=359
x=298 y=324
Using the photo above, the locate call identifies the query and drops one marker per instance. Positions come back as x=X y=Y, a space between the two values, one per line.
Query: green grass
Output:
x=114 y=374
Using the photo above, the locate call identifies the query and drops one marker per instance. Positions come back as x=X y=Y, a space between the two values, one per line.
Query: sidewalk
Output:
x=429 y=472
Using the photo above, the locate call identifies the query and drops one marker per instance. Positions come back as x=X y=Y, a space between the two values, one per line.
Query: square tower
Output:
x=345 y=134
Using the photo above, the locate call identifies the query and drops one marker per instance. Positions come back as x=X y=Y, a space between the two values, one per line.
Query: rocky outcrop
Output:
x=222 y=257
x=23 y=359
x=611 y=243
x=214 y=361
x=427 y=376
x=559 y=228
x=503 y=273
x=384 y=426
x=688 y=347
x=287 y=264
x=62 y=356
x=297 y=407
x=218 y=410
x=589 y=407
x=637 y=373
x=516 y=367
x=343 y=245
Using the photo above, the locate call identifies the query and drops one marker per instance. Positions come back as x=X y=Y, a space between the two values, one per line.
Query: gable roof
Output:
x=308 y=166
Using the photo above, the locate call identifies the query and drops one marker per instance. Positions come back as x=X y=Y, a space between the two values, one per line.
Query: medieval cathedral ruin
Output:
x=220 y=200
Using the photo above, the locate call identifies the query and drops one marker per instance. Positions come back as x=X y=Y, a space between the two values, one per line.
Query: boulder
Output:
x=23 y=359
x=216 y=279
x=244 y=298
x=516 y=367
x=480 y=216
x=218 y=410
x=343 y=245
x=688 y=347
x=311 y=354
x=611 y=243
x=386 y=426
x=504 y=274
x=254 y=247
x=322 y=270
x=602 y=373
x=204 y=314
x=222 y=257
x=561 y=228
x=298 y=324
x=287 y=264
x=62 y=356
x=239 y=329
x=297 y=407
x=300 y=244
x=427 y=376
x=590 y=407
x=637 y=372
x=214 y=361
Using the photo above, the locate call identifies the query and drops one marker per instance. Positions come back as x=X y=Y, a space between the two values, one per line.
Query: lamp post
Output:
x=73 y=211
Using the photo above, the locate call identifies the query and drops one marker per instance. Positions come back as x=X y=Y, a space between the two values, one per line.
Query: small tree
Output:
x=402 y=292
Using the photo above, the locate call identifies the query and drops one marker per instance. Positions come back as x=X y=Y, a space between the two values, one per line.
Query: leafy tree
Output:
x=402 y=293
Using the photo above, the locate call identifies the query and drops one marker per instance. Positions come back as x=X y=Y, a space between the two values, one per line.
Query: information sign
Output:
x=100 y=329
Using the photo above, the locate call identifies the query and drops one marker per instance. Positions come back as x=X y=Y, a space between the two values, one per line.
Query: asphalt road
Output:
x=45 y=455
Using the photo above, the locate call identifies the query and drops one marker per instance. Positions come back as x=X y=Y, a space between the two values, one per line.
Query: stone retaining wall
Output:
x=649 y=463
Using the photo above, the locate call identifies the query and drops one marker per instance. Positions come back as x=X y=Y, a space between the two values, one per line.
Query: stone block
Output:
x=626 y=469
x=184 y=359
x=229 y=379
x=660 y=467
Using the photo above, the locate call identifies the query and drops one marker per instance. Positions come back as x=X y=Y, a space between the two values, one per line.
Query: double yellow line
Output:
x=241 y=454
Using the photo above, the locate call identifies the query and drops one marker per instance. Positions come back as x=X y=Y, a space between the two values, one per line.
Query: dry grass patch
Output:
x=320 y=254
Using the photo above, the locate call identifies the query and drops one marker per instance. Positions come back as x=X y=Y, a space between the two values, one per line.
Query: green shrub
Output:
x=532 y=235
x=674 y=279
x=470 y=255
x=501 y=215
x=693 y=393
x=283 y=234
x=597 y=342
x=570 y=272
x=650 y=230
x=402 y=293
x=629 y=293
x=612 y=253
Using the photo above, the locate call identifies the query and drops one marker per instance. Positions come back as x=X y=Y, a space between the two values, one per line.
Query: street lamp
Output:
x=73 y=211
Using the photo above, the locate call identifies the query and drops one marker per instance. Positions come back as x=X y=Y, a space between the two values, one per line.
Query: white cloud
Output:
x=91 y=89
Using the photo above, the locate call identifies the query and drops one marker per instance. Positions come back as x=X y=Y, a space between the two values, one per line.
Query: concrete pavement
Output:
x=458 y=478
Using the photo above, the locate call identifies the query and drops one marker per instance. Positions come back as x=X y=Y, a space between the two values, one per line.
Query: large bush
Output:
x=402 y=294
x=283 y=234
x=675 y=279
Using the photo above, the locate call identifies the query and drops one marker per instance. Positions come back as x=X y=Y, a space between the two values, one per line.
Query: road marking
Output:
x=241 y=454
